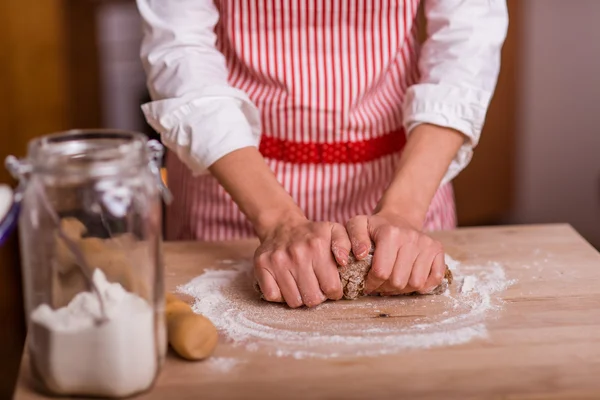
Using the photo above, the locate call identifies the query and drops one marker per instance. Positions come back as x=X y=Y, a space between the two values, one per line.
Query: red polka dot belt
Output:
x=332 y=153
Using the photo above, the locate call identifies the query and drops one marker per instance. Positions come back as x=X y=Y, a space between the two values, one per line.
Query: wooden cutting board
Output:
x=543 y=342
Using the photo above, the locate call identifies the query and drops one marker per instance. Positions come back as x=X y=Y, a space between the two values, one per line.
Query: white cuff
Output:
x=203 y=130
x=462 y=109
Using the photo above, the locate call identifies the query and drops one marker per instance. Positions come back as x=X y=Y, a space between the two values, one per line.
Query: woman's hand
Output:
x=405 y=259
x=295 y=262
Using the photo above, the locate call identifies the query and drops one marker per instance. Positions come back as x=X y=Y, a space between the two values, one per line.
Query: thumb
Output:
x=340 y=244
x=358 y=232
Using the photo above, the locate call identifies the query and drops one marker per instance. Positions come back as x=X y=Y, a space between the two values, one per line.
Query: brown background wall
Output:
x=33 y=99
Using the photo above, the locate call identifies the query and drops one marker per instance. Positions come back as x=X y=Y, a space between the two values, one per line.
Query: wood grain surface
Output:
x=543 y=343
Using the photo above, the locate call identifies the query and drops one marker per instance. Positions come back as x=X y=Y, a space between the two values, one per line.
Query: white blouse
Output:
x=202 y=116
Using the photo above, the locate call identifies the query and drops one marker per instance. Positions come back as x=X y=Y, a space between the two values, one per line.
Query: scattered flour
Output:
x=222 y=364
x=75 y=354
x=348 y=328
x=468 y=284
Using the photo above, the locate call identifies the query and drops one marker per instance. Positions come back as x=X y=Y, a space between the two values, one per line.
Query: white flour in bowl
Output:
x=368 y=326
x=75 y=356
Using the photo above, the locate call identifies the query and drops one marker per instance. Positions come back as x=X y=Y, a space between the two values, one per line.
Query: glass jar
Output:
x=90 y=235
x=8 y=213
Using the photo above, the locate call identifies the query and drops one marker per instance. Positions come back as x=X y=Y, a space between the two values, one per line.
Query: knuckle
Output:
x=312 y=302
x=337 y=295
x=438 y=276
x=338 y=226
x=417 y=282
x=330 y=289
x=294 y=304
x=350 y=224
x=379 y=273
x=336 y=245
x=436 y=246
x=297 y=251
x=279 y=258
x=262 y=260
x=397 y=282
x=312 y=299
x=293 y=301
x=354 y=219
x=426 y=241
x=390 y=231
x=413 y=236
x=271 y=295
x=315 y=242
x=339 y=244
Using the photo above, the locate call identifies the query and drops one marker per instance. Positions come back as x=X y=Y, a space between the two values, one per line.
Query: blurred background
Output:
x=74 y=64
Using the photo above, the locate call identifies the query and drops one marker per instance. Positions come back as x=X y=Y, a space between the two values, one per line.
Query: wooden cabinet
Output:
x=33 y=101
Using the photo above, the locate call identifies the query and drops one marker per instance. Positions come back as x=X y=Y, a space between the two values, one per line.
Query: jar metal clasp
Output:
x=156 y=150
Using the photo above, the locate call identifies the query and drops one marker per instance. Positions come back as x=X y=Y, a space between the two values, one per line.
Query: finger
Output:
x=384 y=258
x=265 y=278
x=304 y=257
x=289 y=289
x=403 y=267
x=385 y=289
x=328 y=276
x=438 y=269
x=358 y=232
x=308 y=285
x=421 y=270
x=268 y=286
x=340 y=244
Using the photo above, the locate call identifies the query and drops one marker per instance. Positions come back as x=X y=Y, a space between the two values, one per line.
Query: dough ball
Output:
x=354 y=275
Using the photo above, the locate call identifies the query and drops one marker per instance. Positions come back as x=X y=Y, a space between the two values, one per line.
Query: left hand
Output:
x=405 y=260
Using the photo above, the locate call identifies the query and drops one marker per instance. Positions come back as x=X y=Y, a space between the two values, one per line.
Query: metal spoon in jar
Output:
x=16 y=169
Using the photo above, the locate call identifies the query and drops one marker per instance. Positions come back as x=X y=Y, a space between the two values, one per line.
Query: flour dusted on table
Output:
x=74 y=354
x=222 y=364
x=368 y=326
x=468 y=284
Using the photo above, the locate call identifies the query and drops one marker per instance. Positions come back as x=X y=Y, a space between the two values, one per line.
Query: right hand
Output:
x=296 y=262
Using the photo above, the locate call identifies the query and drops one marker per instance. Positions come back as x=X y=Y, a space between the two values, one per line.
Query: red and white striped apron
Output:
x=329 y=78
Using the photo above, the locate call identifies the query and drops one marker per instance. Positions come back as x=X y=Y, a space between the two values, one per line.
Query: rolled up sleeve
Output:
x=459 y=65
x=197 y=113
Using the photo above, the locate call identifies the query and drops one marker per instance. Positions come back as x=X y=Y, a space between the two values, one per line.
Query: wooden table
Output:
x=544 y=343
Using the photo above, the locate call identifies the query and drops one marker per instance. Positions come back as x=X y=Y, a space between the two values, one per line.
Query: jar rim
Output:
x=92 y=150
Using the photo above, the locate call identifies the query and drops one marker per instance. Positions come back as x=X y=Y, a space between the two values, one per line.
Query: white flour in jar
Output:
x=74 y=355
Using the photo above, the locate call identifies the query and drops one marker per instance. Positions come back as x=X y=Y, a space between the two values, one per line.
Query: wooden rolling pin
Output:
x=191 y=335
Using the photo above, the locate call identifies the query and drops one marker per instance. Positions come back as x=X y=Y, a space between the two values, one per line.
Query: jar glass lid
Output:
x=88 y=151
